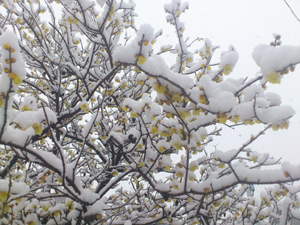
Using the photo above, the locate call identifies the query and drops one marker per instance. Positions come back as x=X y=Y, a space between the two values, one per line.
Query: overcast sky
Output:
x=244 y=24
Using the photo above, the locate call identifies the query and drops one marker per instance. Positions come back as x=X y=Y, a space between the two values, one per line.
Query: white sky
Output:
x=244 y=24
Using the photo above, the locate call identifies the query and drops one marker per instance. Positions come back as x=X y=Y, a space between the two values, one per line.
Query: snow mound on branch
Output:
x=273 y=59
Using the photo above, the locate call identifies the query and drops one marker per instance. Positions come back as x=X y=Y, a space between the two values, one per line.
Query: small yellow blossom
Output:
x=222 y=118
x=38 y=128
x=141 y=164
x=161 y=149
x=179 y=174
x=202 y=99
x=72 y=20
x=196 y=112
x=145 y=42
x=154 y=129
x=169 y=115
x=176 y=187
x=115 y=173
x=177 y=12
x=177 y=145
x=227 y=69
x=167 y=168
x=6 y=46
x=221 y=165
x=273 y=78
x=160 y=89
x=83 y=106
x=133 y=114
x=193 y=168
x=26 y=108
x=3 y=196
x=140 y=82
x=177 y=98
x=286 y=174
x=141 y=60
x=235 y=119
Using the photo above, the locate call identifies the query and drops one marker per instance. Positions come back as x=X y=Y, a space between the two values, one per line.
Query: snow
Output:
x=229 y=57
x=95 y=208
x=16 y=188
x=275 y=59
x=226 y=156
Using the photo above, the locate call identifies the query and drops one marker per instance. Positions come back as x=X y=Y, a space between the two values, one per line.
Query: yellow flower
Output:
x=38 y=128
x=193 y=168
x=6 y=46
x=274 y=127
x=167 y=168
x=249 y=122
x=254 y=158
x=221 y=165
x=196 y=112
x=26 y=108
x=284 y=125
x=1 y=102
x=114 y=173
x=179 y=174
x=161 y=89
x=169 y=115
x=202 y=99
x=16 y=79
x=83 y=106
x=133 y=114
x=235 y=119
x=189 y=60
x=3 y=196
x=72 y=20
x=273 y=78
x=140 y=82
x=141 y=164
x=141 y=60
x=45 y=208
x=56 y=213
x=227 y=69
x=154 y=129
x=177 y=145
x=176 y=187
x=222 y=118
x=145 y=42
x=161 y=149
x=184 y=114
x=177 y=98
